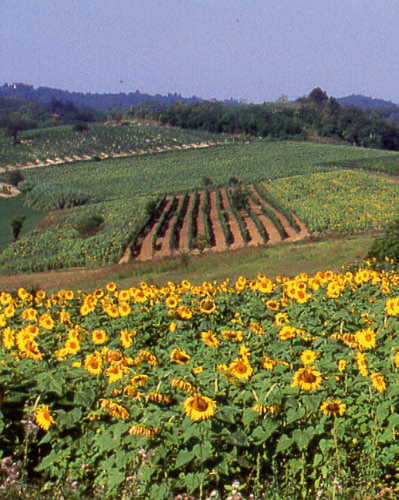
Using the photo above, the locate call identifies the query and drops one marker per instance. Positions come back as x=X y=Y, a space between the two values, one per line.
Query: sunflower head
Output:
x=199 y=407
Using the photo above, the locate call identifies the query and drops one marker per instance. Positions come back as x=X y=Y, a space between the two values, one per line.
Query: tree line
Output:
x=314 y=116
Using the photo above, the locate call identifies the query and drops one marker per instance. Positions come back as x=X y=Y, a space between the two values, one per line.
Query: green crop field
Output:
x=341 y=200
x=100 y=138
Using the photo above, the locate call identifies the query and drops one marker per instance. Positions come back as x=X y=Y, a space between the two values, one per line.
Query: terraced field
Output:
x=215 y=224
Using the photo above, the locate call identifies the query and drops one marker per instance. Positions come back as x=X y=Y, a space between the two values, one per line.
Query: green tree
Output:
x=16 y=225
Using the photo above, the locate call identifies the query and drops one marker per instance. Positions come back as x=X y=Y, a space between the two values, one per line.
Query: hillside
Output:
x=101 y=102
x=387 y=109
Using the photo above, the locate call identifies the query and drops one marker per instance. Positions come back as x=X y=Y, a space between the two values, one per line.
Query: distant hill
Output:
x=365 y=102
x=387 y=109
x=101 y=102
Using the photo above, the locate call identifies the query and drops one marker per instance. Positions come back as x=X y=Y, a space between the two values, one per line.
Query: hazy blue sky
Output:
x=251 y=49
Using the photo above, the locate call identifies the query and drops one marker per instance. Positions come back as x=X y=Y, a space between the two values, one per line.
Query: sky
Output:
x=252 y=50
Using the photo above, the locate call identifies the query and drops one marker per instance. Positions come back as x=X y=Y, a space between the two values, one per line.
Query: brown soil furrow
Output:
x=274 y=235
x=164 y=250
x=292 y=234
x=145 y=252
x=220 y=242
x=184 y=235
x=200 y=218
x=235 y=228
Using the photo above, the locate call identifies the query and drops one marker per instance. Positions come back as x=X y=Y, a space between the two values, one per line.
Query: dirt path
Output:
x=220 y=242
x=274 y=235
x=184 y=233
x=235 y=228
x=8 y=190
x=86 y=157
x=145 y=252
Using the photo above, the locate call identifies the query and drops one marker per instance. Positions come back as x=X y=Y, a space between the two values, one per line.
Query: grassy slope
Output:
x=10 y=208
x=284 y=259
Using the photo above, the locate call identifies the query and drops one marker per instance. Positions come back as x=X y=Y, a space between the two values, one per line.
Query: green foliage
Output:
x=89 y=225
x=387 y=245
x=224 y=220
x=206 y=213
x=268 y=212
x=56 y=196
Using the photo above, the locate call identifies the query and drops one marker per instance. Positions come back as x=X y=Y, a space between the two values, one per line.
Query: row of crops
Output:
x=60 y=142
x=211 y=219
x=287 y=387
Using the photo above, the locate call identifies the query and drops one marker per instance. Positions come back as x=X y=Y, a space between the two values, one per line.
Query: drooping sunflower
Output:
x=234 y=335
x=265 y=409
x=308 y=379
x=183 y=385
x=210 y=339
x=333 y=408
x=199 y=407
x=43 y=417
x=179 y=356
x=207 y=306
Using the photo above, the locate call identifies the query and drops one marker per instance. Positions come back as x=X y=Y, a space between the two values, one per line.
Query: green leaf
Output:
x=227 y=414
x=194 y=480
x=203 y=451
x=283 y=443
x=184 y=457
x=249 y=416
x=237 y=438
x=294 y=414
x=68 y=419
x=325 y=445
x=302 y=437
x=49 y=382
x=318 y=458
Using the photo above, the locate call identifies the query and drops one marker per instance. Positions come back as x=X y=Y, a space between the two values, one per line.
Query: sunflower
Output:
x=172 y=301
x=210 y=339
x=115 y=372
x=184 y=312
x=99 y=337
x=281 y=319
x=366 y=338
x=362 y=364
x=207 y=306
x=241 y=369
x=341 y=365
x=333 y=408
x=180 y=357
x=72 y=346
x=378 y=382
x=308 y=356
x=199 y=407
x=93 y=364
x=287 y=332
x=392 y=306
x=43 y=417
x=273 y=305
x=124 y=309
x=8 y=338
x=46 y=322
x=308 y=379
x=256 y=328
x=127 y=338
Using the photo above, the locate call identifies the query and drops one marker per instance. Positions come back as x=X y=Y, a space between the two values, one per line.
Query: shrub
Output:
x=90 y=225
x=13 y=177
x=17 y=224
x=386 y=245
x=26 y=186
x=80 y=127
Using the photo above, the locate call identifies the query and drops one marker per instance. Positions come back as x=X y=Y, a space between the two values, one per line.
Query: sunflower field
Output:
x=275 y=388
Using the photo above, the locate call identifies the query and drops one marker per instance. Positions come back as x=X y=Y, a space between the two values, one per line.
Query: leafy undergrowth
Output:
x=288 y=387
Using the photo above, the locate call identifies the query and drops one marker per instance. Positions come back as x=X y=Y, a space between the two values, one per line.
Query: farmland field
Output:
x=63 y=141
x=287 y=387
x=341 y=200
x=119 y=190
